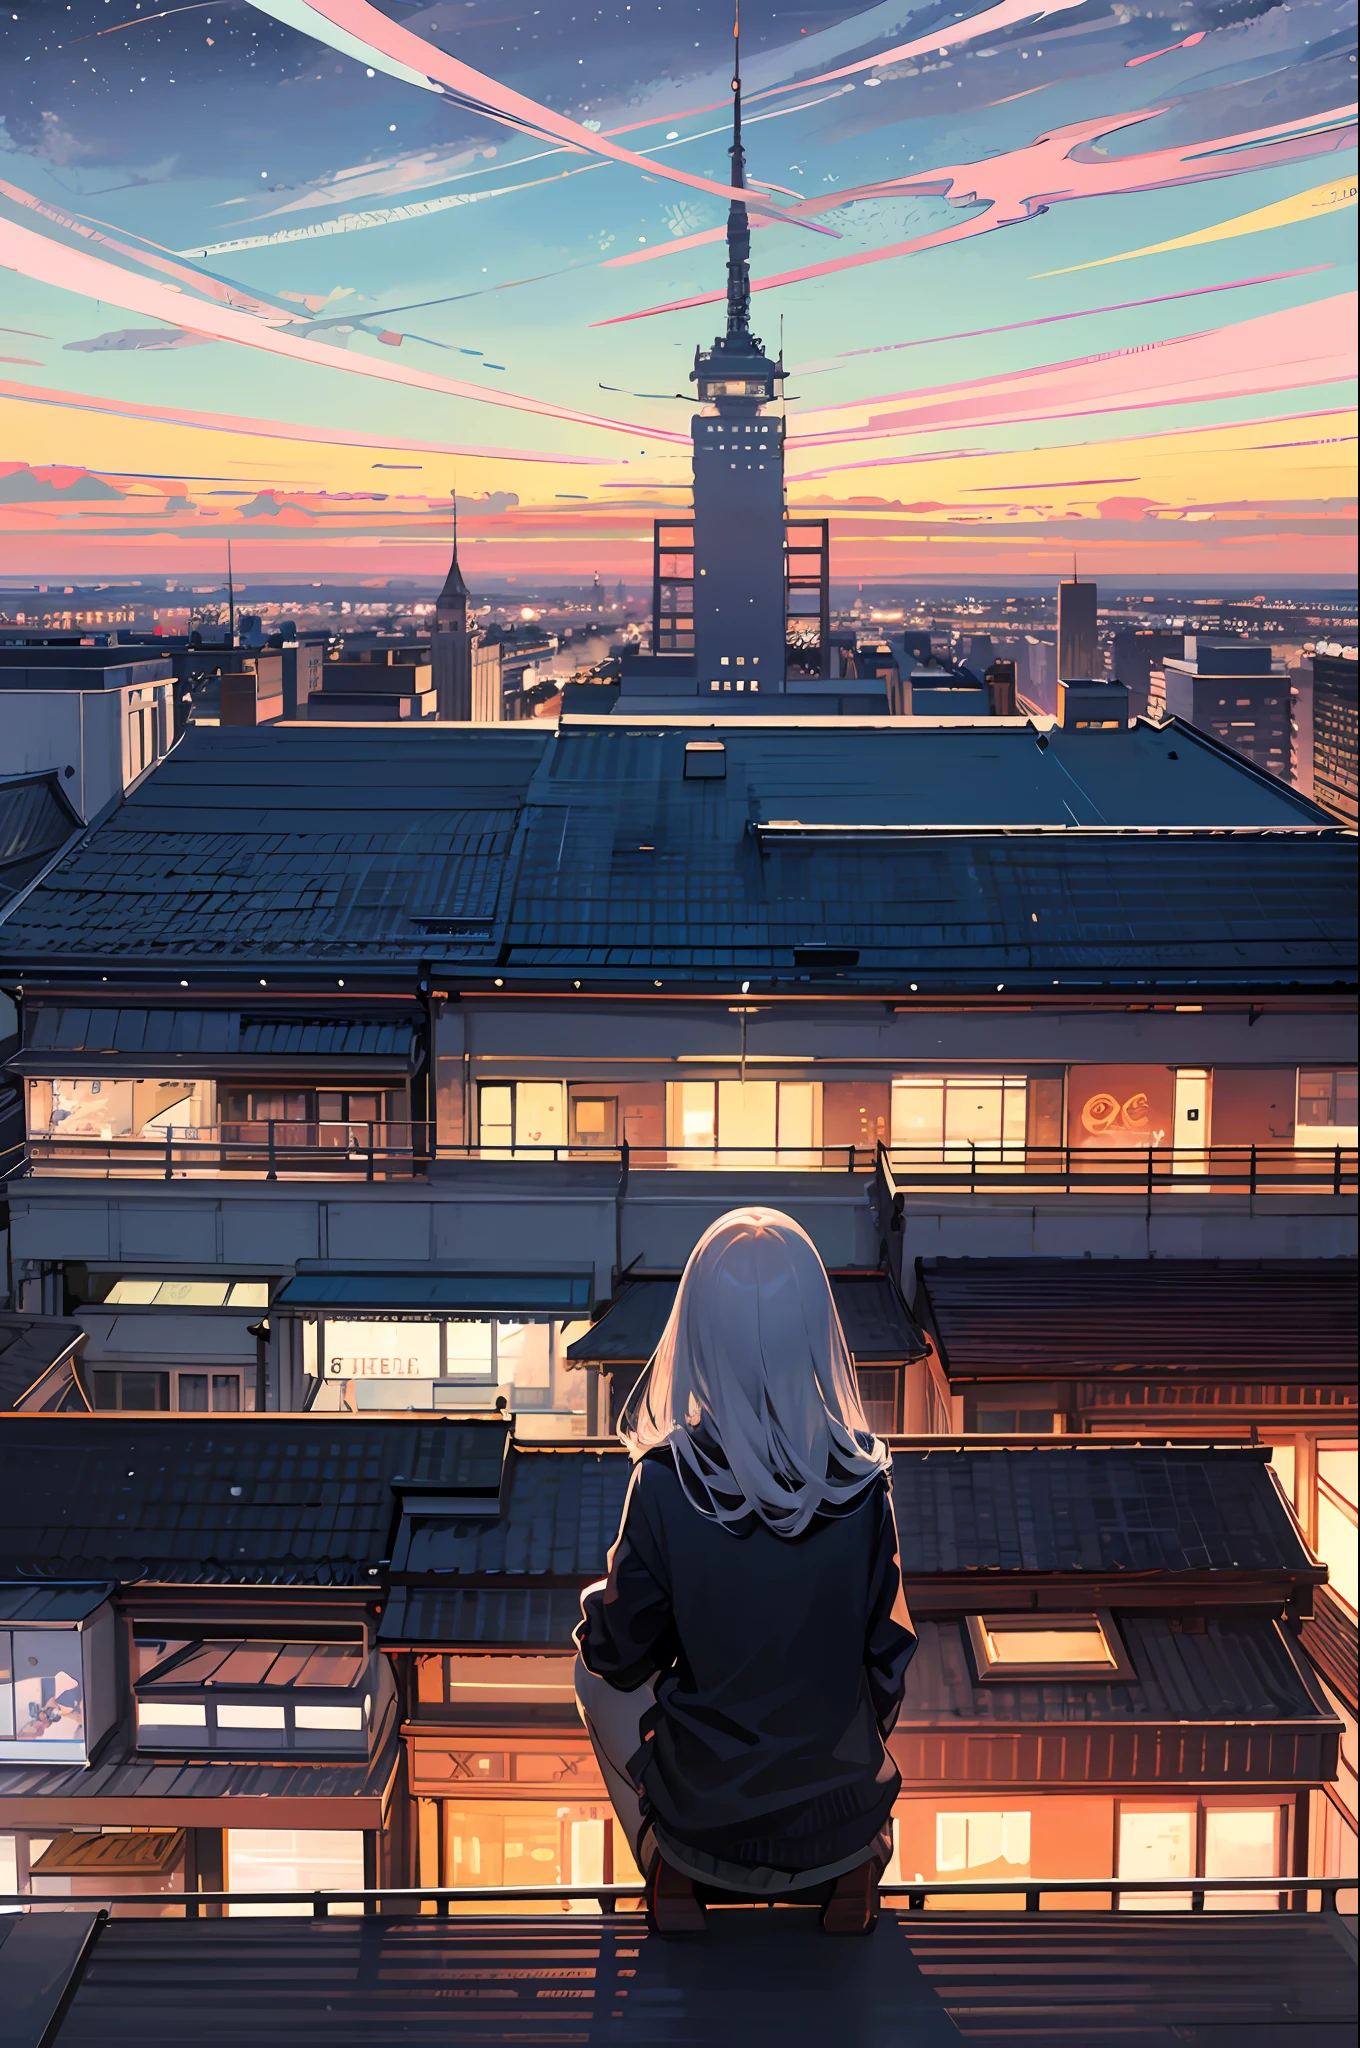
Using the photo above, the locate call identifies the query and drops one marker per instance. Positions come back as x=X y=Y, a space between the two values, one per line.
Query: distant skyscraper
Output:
x=1234 y=690
x=739 y=593
x=1335 y=731
x=1077 y=637
x=451 y=643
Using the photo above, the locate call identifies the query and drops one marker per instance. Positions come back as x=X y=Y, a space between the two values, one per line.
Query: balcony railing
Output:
x=1193 y=1894
x=285 y=1150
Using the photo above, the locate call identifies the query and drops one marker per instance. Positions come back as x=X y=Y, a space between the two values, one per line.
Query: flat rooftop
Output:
x=756 y=1979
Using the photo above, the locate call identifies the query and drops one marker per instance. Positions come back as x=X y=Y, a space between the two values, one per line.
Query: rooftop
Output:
x=1080 y=1979
x=1144 y=857
x=1286 y=1319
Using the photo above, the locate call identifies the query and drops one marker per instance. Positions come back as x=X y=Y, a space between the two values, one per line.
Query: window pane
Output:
x=283 y=1859
x=192 y=1389
x=1337 y=1466
x=698 y=1113
x=1082 y=1644
x=6 y=1686
x=246 y=1664
x=1242 y=1842
x=332 y=1664
x=523 y=1354
x=171 y=1714
x=144 y=1390
x=746 y=1114
x=467 y=1350
x=237 y=1716
x=199 y=1666
x=249 y=1294
x=917 y=1112
x=106 y=1389
x=327 y=1717
x=226 y=1392
x=191 y=1294
x=1156 y=1844
x=540 y=1112
x=1336 y=1547
x=796 y=1117
x=127 y=1293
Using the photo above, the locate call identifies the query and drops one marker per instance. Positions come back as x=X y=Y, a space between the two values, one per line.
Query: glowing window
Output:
x=1047 y=1646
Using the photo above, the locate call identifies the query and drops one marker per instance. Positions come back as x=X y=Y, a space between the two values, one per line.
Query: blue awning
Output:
x=520 y=1296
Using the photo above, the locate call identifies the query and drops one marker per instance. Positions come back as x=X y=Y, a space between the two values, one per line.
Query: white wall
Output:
x=83 y=731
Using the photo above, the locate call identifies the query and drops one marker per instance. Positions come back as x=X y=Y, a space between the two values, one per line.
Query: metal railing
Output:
x=444 y=1899
x=279 y=1149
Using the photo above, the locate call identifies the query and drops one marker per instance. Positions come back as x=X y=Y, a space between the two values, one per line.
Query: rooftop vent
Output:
x=705 y=761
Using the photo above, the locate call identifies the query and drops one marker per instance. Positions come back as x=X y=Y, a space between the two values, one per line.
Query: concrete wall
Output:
x=84 y=736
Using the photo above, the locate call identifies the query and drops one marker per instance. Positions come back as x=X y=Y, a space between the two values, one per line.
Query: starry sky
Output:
x=1074 y=277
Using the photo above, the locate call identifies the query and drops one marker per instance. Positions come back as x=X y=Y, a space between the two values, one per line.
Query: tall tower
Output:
x=451 y=642
x=1078 y=630
x=739 y=593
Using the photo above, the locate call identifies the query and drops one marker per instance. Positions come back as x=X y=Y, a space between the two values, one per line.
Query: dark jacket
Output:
x=783 y=1662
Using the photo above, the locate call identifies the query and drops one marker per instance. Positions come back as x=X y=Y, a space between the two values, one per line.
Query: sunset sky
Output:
x=1075 y=278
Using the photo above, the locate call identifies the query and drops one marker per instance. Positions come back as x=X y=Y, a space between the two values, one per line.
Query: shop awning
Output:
x=877 y=1322
x=350 y=1291
x=1012 y=1319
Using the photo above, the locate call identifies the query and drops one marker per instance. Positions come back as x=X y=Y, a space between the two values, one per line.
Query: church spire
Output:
x=738 y=223
x=455 y=591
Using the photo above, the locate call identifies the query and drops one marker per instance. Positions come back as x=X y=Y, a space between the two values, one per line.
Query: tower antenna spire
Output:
x=231 y=600
x=738 y=224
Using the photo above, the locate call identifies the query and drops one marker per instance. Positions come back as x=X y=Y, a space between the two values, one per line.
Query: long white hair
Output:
x=752 y=1385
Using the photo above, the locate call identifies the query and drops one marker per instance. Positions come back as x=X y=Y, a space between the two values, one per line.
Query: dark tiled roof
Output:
x=255 y=1500
x=559 y=1514
x=294 y=844
x=877 y=1323
x=1240 y=1669
x=538 y=1618
x=127 y=1776
x=1106 y=1509
x=1185 y=1509
x=1008 y=1318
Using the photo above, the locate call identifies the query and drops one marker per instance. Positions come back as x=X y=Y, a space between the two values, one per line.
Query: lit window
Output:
x=1009 y=1646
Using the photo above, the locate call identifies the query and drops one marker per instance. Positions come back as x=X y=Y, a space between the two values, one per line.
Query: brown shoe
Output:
x=853 y=1905
x=672 y=1907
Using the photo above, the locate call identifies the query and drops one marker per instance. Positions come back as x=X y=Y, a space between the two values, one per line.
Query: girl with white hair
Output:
x=743 y=1663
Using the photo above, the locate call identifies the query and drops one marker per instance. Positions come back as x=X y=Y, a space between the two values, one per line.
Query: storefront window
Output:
x=525 y=1842
x=105 y=1109
x=750 y=1123
x=293 y=1859
x=1206 y=1838
x=1327 y=1106
x=959 y=1118
x=529 y=1116
x=1120 y=1109
x=41 y=1693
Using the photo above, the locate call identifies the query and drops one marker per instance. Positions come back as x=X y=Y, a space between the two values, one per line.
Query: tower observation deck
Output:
x=739 y=586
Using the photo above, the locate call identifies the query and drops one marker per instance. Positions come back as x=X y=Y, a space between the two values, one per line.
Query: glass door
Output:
x=1191 y=1126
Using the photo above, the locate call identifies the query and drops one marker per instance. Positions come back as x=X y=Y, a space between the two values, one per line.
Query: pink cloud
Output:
x=47 y=262
x=1022 y=184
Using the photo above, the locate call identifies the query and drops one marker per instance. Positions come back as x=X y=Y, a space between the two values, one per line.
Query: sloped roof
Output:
x=1290 y=1319
x=35 y=823
x=75 y=1038
x=294 y=843
x=29 y=1347
x=877 y=1323
x=251 y=1499
x=943 y=855
x=953 y=857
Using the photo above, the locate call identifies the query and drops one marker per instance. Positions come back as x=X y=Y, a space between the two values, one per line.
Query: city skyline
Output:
x=999 y=405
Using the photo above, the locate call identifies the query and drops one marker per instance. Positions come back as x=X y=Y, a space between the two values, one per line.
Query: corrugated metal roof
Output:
x=1089 y=1979
x=1240 y=1669
x=251 y=1499
x=877 y=1323
x=22 y=1604
x=1291 y=1319
x=61 y=1038
x=315 y=844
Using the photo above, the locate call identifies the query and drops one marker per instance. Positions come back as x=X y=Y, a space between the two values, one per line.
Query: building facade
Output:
x=1236 y=690
x=1335 y=731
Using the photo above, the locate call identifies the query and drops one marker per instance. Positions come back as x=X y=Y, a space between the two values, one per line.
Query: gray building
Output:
x=1238 y=691
x=1334 y=730
x=98 y=723
x=333 y=1039
x=1137 y=651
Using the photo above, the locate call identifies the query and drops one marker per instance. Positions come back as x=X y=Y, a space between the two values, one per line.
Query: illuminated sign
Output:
x=382 y=1351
